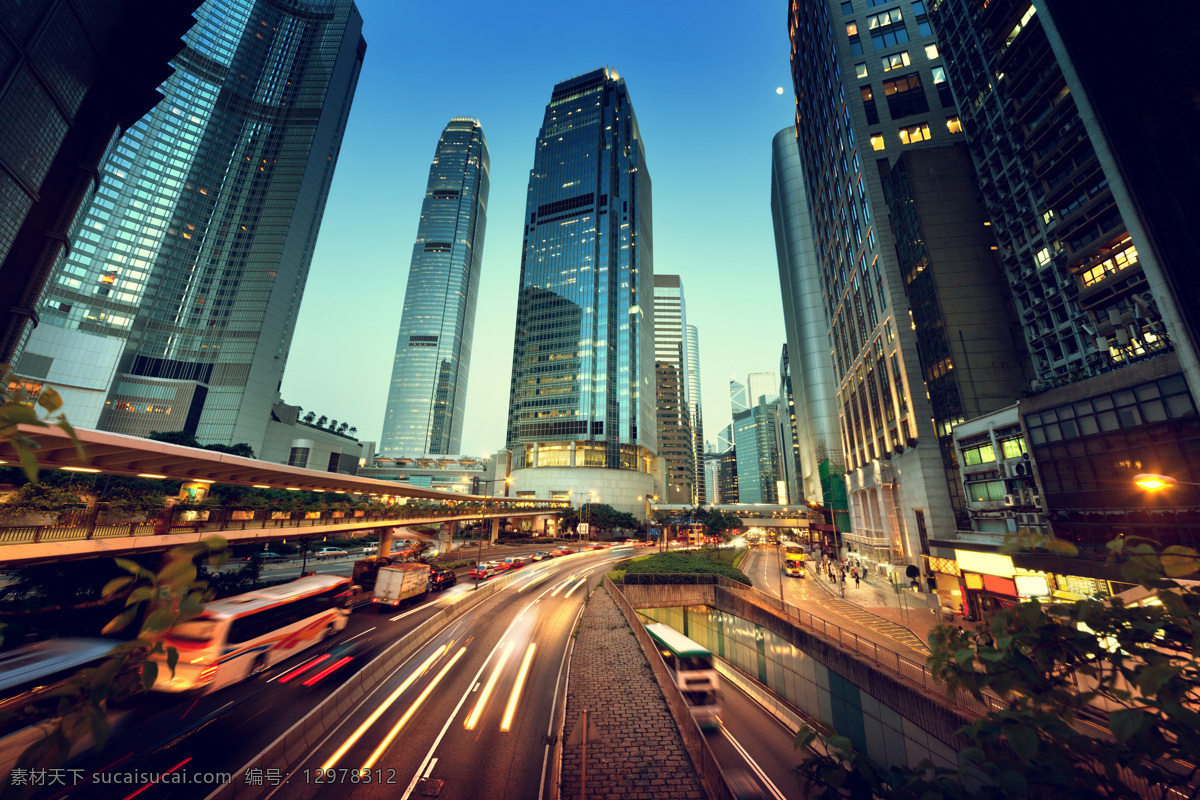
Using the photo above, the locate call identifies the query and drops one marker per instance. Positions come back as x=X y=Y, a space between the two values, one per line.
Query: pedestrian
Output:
x=856 y=581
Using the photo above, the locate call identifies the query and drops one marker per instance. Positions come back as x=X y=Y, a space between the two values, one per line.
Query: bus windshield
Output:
x=197 y=630
x=694 y=663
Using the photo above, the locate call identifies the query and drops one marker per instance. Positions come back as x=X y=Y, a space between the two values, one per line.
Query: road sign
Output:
x=582 y=528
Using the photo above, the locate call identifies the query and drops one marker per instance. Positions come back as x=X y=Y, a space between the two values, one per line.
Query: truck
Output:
x=396 y=583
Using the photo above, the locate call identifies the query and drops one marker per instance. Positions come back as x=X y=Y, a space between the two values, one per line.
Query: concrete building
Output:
x=291 y=441
x=175 y=307
x=582 y=400
x=676 y=442
x=857 y=115
x=451 y=473
x=72 y=80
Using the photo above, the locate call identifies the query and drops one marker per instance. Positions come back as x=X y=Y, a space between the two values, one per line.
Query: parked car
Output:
x=441 y=579
x=331 y=552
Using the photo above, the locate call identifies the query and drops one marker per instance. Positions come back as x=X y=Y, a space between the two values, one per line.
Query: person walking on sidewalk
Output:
x=856 y=581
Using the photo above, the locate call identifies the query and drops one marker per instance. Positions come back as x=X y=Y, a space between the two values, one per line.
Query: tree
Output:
x=342 y=428
x=333 y=423
x=353 y=431
x=322 y=420
x=240 y=449
x=1052 y=663
x=310 y=416
x=175 y=437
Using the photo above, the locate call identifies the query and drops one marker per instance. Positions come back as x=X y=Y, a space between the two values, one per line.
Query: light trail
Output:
x=395 y=731
x=515 y=697
x=473 y=719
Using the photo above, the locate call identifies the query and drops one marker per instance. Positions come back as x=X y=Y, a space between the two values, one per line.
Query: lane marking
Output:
x=762 y=776
x=582 y=581
x=395 y=731
x=415 y=610
x=364 y=633
x=476 y=689
x=432 y=763
x=473 y=720
x=515 y=697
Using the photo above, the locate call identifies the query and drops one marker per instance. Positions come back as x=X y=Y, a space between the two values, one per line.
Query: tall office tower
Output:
x=696 y=413
x=897 y=469
x=821 y=464
x=786 y=441
x=712 y=465
x=675 y=441
x=725 y=437
x=175 y=309
x=727 y=477
x=738 y=400
x=754 y=439
x=72 y=78
x=581 y=413
x=762 y=384
x=1089 y=172
x=428 y=393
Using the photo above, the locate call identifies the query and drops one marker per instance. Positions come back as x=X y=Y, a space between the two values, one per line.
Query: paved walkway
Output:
x=639 y=755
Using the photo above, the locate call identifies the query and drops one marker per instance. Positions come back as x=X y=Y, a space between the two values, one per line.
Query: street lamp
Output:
x=1156 y=483
x=479 y=552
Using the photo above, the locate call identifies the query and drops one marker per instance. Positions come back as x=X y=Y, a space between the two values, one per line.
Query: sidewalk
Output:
x=883 y=602
x=637 y=753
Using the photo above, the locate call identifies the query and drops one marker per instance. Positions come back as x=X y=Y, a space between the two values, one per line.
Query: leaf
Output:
x=66 y=428
x=964 y=655
x=172 y=659
x=1125 y=723
x=134 y=567
x=149 y=674
x=1061 y=547
x=1022 y=740
x=159 y=620
x=49 y=399
x=1180 y=566
x=176 y=570
x=116 y=585
x=139 y=595
x=28 y=462
x=121 y=622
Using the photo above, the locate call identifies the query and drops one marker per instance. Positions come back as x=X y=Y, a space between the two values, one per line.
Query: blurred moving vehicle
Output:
x=398 y=582
x=267 y=557
x=538 y=556
x=692 y=666
x=515 y=562
x=441 y=579
x=331 y=552
x=244 y=635
x=562 y=551
x=482 y=571
x=794 y=559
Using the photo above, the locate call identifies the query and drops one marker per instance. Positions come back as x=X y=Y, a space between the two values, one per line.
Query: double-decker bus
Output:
x=794 y=559
x=692 y=667
x=244 y=635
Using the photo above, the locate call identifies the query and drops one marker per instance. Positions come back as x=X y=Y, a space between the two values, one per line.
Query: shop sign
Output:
x=974 y=582
x=998 y=585
x=987 y=563
x=1032 y=586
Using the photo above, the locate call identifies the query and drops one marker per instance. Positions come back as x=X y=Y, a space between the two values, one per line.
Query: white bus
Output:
x=695 y=676
x=244 y=635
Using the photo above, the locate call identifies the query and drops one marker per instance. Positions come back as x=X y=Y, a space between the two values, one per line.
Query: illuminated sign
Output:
x=987 y=563
x=974 y=581
x=1032 y=586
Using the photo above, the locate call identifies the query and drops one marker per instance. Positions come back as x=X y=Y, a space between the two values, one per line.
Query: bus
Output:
x=692 y=667
x=245 y=635
x=793 y=561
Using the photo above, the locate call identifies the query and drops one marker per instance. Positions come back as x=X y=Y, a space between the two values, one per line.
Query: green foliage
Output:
x=39 y=498
x=188 y=440
x=1130 y=668
x=18 y=408
x=600 y=517
x=709 y=562
x=155 y=600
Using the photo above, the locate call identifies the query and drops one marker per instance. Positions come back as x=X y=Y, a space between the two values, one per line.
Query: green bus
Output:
x=695 y=676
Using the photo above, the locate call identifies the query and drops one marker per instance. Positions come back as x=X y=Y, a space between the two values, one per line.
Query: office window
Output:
x=914 y=134
x=876 y=141
x=883 y=20
x=953 y=124
x=869 y=109
x=852 y=29
x=919 y=7
x=895 y=61
x=856 y=47
x=890 y=37
x=847 y=9
x=860 y=70
x=905 y=96
x=939 y=75
x=931 y=51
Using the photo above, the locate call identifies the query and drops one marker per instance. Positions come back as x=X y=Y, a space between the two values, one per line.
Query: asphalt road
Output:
x=222 y=731
x=754 y=744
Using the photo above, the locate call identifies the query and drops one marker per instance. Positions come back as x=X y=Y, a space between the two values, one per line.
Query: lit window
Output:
x=877 y=141
x=915 y=133
x=852 y=29
x=931 y=51
x=860 y=70
x=895 y=61
x=886 y=18
x=939 y=75
x=1042 y=256
x=953 y=124
x=1048 y=217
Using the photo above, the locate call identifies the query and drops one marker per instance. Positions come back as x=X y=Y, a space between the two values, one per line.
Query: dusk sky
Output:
x=703 y=79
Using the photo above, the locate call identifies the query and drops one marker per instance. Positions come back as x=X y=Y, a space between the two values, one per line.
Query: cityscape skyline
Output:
x=377 y=192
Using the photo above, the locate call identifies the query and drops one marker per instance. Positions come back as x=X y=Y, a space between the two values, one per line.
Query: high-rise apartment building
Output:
x=72 y=78
x=428 y=392
x=820 y=468
x=696 y=416
x=175 y=308
x=675 y=440
x=1089 y=174
x=871 y=89
x=582 y=401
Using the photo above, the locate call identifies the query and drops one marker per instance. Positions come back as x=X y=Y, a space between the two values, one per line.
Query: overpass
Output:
x=86 y=534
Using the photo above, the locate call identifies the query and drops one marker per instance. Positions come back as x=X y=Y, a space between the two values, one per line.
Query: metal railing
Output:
x=86 y=525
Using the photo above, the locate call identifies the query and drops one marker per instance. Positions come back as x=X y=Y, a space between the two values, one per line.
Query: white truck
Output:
x=398 y=582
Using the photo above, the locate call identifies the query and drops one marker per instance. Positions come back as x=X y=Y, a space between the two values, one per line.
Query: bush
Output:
x=694 y=562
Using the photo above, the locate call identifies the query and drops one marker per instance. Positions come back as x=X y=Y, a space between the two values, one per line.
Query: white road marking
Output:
x=355 y=636
x=762 y=776
x=432 y=763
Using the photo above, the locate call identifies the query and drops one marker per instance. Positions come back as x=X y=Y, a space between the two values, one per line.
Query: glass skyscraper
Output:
x=675 y=439
x=428 y=392
x=582 y=392
x=696 y=412
x=175 y=309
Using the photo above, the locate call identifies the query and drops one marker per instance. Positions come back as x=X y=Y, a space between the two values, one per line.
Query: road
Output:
x=221 y=732
x=755 y=744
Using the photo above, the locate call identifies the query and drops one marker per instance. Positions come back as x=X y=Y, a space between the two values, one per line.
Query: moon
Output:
x=779 y=90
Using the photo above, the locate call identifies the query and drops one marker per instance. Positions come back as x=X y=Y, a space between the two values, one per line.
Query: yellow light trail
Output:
x=562 y=585
x=394 y=732
x=487 y=690
x=515 y=698
x=377 y=713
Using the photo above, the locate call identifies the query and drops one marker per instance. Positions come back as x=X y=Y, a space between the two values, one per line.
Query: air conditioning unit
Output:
x=1003 y=468
x=1020 y=469
x=1009 y=500
x=1037 y=501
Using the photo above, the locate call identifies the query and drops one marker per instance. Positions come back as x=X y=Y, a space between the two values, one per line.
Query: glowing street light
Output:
x=1154 y=483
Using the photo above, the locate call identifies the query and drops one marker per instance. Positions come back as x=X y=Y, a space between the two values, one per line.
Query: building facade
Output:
x=175 y=308
x=72 y=79
x=292 y=441
x=786 y=442
x=696 y=416
x=754 y=438
x=582 y=398
x=428 y=391
x=675 y=439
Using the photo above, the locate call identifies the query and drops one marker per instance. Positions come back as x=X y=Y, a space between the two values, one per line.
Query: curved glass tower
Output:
x=428 y=392
x=582 y=390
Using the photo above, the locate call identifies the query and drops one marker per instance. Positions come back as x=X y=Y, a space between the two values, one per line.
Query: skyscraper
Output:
x=754 y=438
x=428 y=392
x=581 y=414
x=696 y=410
x=675 y=440
x=71 y=80
x=176 y=307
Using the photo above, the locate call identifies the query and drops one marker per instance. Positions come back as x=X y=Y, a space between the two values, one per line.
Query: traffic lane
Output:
x=414 y=705
x=161 y=730
x=753 y=740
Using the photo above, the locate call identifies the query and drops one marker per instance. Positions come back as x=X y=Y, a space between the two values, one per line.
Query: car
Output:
x=515 y=562
x=370 y=549
x=561 y=551
x=538 y=556
x=481 y=571
x=331 y=552
x=501 y=566
x=441 y=579
x=267 y=557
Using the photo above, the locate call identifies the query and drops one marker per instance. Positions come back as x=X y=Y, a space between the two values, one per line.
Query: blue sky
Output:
x=703 y=79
